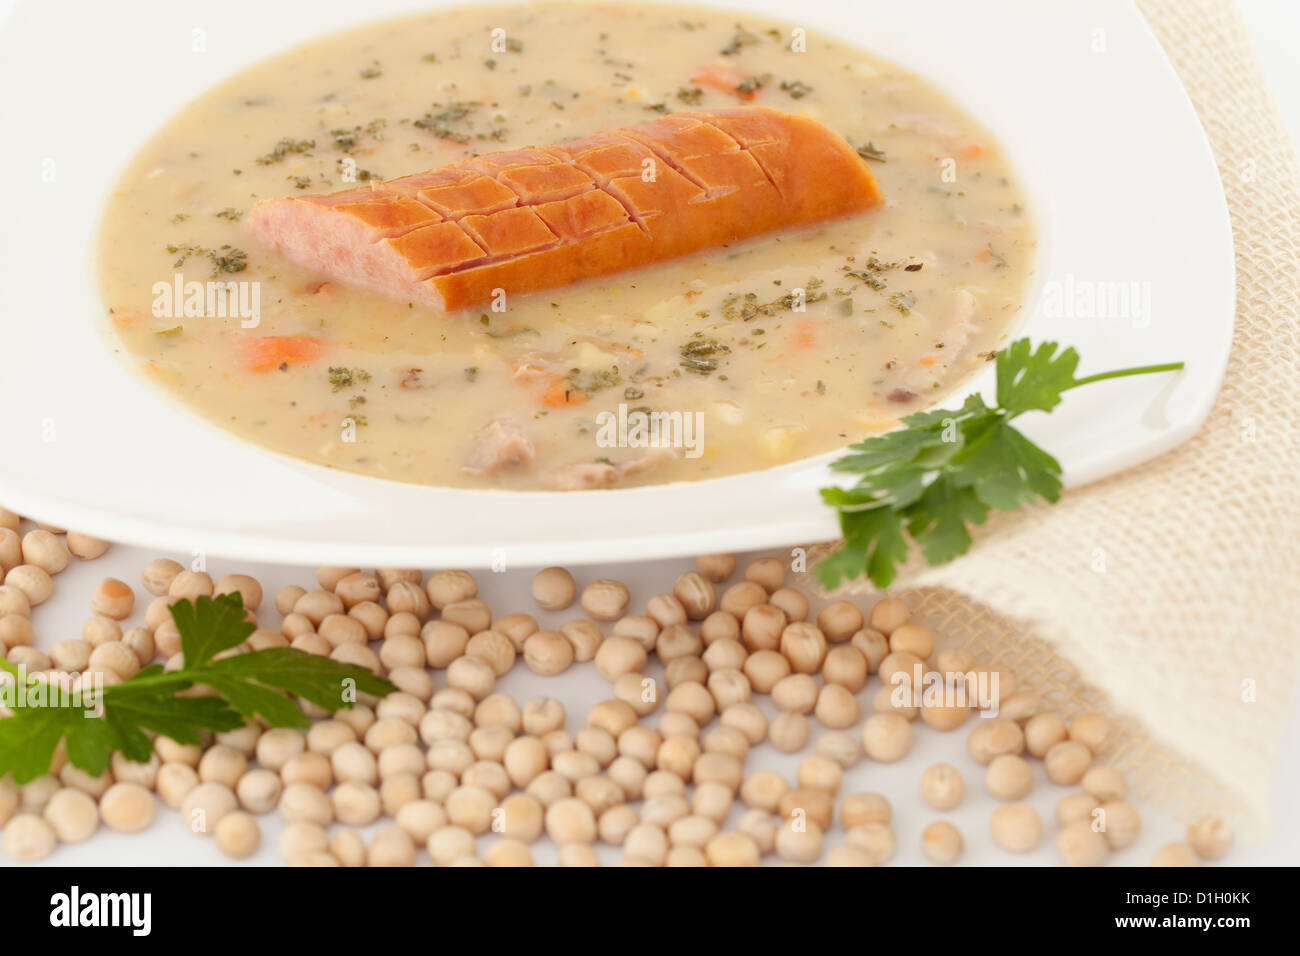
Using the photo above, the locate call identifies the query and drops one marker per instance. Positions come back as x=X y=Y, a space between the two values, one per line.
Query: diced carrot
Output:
x=970 y=151
x=805 y=334
x=559 y=395
x=262 y=353
x=124 y=320
x=725 y=78
x=803 y=337
x=928 y=359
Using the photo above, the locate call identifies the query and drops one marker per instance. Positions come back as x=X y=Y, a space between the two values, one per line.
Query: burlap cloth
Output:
x=1189 y=637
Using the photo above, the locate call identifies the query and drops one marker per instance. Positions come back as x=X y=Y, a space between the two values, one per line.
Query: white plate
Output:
x=1081 y=95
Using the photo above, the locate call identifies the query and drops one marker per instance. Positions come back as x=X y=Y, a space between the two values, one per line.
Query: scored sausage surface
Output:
x=529 y=219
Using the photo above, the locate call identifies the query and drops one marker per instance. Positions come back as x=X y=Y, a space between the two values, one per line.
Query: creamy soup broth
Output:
x=770 y=350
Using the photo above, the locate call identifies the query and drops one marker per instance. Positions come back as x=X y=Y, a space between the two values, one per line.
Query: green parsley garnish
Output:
x=341 y=378
x=439 y=123
x=947 y=469
x=740 y=39
x=700 y=354
x=286 y=147
x=589 y=382
x=224 y=259
x=904 y=302
x=229 y=259
x=247 y=686
x=345 y=139
x=747 y=307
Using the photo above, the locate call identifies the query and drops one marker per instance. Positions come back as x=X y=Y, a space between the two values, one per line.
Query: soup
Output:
x=731 y=359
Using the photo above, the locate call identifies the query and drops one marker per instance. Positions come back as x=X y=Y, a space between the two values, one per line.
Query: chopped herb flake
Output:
x=904 y=302
x=742 y=38
x=871 y=153
x=700 y=354
x=286 y=147
x=341 y=378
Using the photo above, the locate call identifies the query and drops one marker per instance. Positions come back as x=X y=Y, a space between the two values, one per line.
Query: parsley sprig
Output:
x=241 y=687
x=947 y=469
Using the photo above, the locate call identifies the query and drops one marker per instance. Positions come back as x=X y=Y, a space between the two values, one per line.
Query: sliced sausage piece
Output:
x=531 y=219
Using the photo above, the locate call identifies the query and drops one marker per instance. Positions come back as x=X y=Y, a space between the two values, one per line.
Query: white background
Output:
x=1275 y=27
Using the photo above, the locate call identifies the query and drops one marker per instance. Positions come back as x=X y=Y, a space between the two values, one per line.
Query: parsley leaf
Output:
x=946 y=469
x=120 y=717
x=1005 y=468
x=1029 y=381
x=939 y=523
x=873 y=542
x=150 y=706
x=28 y=754
x=209 y=626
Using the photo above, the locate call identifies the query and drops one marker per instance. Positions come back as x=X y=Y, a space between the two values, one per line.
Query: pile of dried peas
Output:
x=450 y=765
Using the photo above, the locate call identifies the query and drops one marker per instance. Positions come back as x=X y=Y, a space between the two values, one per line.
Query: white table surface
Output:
x=1275 y=27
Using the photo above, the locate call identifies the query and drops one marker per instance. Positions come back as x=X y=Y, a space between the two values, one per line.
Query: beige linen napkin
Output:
x=1189 y=636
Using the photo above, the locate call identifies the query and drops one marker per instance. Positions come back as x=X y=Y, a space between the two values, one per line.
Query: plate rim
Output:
x=134 y=529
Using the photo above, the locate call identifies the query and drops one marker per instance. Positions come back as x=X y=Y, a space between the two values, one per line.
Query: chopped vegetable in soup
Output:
x=733 y=358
